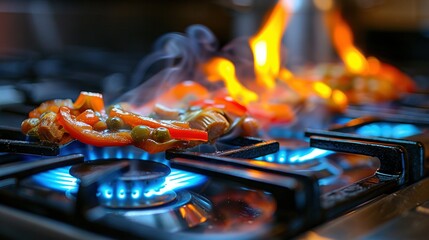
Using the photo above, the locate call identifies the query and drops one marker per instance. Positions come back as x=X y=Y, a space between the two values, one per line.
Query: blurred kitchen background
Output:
x=54 y=49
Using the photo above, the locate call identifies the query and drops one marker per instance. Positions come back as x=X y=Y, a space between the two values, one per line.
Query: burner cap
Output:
x=140 y=187
x=139 y=169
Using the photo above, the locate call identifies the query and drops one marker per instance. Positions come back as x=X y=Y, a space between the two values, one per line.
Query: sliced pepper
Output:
x=89 y=117
x=226 y=103
x=176 y=132
x=89 y=100
x=85 y=133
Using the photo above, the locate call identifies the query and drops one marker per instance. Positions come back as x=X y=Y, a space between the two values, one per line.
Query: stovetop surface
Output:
x=327 y=182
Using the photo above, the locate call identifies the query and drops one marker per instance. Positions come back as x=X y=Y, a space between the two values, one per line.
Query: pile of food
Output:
x=364 y=79
x=381 y=83
x=89 y=121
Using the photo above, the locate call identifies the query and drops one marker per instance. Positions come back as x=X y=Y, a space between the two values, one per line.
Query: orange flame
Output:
x=356 y=63
x=266 y=45
x=221 y=68
x=354 y=60
x=266 y=49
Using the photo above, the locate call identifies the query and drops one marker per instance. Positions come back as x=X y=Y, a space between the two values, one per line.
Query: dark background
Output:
x=56 y=48
x=118 y=26
x=396 y=30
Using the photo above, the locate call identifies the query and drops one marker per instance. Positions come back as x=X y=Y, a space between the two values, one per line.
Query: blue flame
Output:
x=60 y=179
x=93 y=153
x=388 y=130
x=342 y=120
x=57 y=179
x=176 y=181
x=287 y=156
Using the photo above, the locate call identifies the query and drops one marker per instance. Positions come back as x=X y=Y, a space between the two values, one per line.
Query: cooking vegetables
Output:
x=86 y=134
x=225 y=103
x=211 y=120
x=141 y=133
x=176 y=132
x=50 y=106
x=88 y=100
x=86 y=120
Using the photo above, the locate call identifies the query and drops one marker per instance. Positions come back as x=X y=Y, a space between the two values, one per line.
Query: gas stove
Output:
x=242 y=188
x=363 y=175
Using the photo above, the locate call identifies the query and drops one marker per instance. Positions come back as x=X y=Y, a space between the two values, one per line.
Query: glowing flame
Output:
x=272 y=94
x=343 y=41
x=262 y=97
x=221 y=68
x=266 y=46
x=379 y=81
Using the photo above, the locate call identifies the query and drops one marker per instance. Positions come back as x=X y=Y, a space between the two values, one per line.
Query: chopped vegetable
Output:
x=114 y=123
x=46 y=128
x=164 y=112
x=100 y=126
x=85 y=120
x=181 y=124
x=226 y=103
x=152 y=146
x=250 y=127
x=210 y=120
x=50 y=106
x=89 y=100
x=88 y=117
x=28 y=124
x=176 y=132
x=86 y=134
x=161 y=135
x=140 y=133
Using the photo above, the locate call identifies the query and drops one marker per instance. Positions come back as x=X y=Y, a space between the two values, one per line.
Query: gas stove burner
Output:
x=187 y=211
x=141 y=170
x=128 y=196
x=142 y=186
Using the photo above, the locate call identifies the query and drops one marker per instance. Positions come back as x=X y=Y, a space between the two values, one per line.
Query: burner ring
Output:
x=130 y=200
x=139 y=169
x=140 y=187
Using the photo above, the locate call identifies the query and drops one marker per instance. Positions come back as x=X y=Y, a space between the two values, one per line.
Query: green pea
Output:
x=114 y=123
x=161 y=134
x=140 y=133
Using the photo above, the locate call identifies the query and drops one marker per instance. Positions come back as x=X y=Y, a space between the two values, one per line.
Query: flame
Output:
x=354 y=60
x=266 y=46
x=377 y=78
x=222 y=69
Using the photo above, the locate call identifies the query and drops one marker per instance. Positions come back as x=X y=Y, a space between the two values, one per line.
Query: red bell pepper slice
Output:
x=176 y=132
x=89 y=100
x=88 y=117
x=226 y=103
x=85 y=133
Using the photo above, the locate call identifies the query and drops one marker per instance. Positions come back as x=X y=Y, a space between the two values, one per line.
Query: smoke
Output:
x=176 y=57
